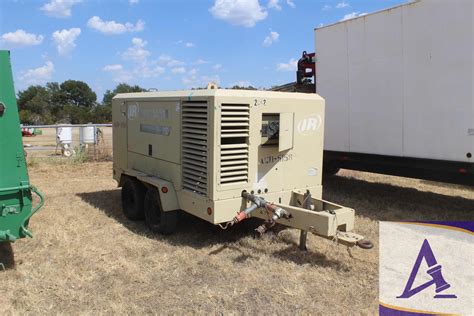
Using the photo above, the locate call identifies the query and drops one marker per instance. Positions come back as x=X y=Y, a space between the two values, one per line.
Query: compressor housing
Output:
x=207 y=151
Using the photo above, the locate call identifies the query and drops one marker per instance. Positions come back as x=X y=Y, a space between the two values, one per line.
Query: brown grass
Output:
x=87 y=258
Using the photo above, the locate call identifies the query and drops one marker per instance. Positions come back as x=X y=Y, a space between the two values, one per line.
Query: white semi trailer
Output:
x=398 y=86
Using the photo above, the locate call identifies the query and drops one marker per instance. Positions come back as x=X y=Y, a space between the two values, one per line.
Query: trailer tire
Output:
x=133 y=198
x=330 y=169
x=7 y=258
x=156 y=219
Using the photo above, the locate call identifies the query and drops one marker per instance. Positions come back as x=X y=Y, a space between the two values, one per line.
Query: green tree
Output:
x=237 y=87
x=77 y=93
x=34 y=105
x=120 y=88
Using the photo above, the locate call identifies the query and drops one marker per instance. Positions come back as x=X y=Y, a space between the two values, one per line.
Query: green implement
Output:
x=16 y=202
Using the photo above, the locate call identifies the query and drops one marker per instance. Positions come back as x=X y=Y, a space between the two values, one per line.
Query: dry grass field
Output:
x=87 y=258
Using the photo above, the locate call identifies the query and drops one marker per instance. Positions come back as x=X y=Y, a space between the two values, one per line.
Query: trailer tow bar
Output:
x=276 y=212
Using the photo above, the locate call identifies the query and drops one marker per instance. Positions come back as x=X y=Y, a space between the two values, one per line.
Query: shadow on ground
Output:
x=376 y=201
x=380 y=201
x=197 y=233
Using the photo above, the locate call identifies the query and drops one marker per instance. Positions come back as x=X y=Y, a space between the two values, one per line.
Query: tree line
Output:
x=72 y=102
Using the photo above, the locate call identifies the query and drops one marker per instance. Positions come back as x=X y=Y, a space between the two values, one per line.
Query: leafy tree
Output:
x=77 y=93
x=237 y=87
x=69 y=102
x=34 y=105
x=120 y=88
x=78 y=114
x=102 y=114
x=56 y=94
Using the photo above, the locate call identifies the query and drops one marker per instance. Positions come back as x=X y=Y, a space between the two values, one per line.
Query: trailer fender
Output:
x=168 y=196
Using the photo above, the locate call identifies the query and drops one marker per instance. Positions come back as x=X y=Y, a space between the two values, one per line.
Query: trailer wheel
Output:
x=133 y=197
x=7 y=258
x=156 y=219
x=330 y=169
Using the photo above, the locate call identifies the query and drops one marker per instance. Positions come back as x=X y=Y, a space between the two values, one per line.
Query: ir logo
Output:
x=434 y=272
x=309 y=124
x=132 y=111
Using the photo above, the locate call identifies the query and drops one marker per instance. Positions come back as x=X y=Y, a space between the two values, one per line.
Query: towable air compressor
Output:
x=16 y=202
x=224 y=156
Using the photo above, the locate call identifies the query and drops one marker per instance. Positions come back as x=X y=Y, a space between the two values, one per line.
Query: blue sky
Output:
x=166 y=44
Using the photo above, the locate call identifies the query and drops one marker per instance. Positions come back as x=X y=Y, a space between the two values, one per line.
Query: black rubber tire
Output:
x=155 y=218
x=133 y=199
x=330 y=169
x=7 y=258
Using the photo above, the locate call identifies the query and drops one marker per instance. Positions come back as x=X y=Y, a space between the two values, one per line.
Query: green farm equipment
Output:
x=16 y=202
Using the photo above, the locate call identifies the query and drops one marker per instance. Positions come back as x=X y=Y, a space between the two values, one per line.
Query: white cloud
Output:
x=327 y=7
x=271 y=38
x=274 y=4
x=289 y=66
x=217 y=67
x=112 y=27
x=169 y=61
x=342 y=5
x=38 y=75
x=118 y=72
x=178 y=70
x=352 y=15
x=239 y=12
x=290 y=3
x=131 y=2
x=20 y=38
x=137 y=51
x=201 y=62
x=189 y=44
x=194 y=80
x=65 y=40
x=148 y=71
x=59 y=8
x=191 y=77
x=112 y=68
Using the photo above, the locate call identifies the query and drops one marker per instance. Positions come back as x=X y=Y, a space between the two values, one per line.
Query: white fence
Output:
x=68 y=141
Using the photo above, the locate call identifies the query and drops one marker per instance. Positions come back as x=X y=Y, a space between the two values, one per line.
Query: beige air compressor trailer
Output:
x=398 y=86
x=224 y=156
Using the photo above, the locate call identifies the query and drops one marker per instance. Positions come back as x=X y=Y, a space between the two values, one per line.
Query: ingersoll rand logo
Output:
x=309 y=125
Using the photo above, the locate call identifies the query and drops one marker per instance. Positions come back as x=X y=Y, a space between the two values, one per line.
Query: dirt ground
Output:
x=87 y=258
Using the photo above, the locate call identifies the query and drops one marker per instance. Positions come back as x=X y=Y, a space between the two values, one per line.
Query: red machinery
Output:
x=27 y=132
x=306 y=67
x=305 y=76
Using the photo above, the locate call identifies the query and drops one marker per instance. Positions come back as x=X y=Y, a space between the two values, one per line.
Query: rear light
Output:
x=462 y=170
x=164 y=189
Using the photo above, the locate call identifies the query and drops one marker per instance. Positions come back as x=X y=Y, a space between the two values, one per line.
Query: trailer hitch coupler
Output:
x=365 y=244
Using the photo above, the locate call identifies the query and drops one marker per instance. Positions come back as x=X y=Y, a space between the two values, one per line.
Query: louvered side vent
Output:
x=234 y=158
x=194 y=146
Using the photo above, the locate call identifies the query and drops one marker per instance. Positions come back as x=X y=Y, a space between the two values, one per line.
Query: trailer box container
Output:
x=398 y=86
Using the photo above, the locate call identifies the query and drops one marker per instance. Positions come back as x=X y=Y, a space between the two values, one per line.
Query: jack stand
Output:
x=304 y=233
